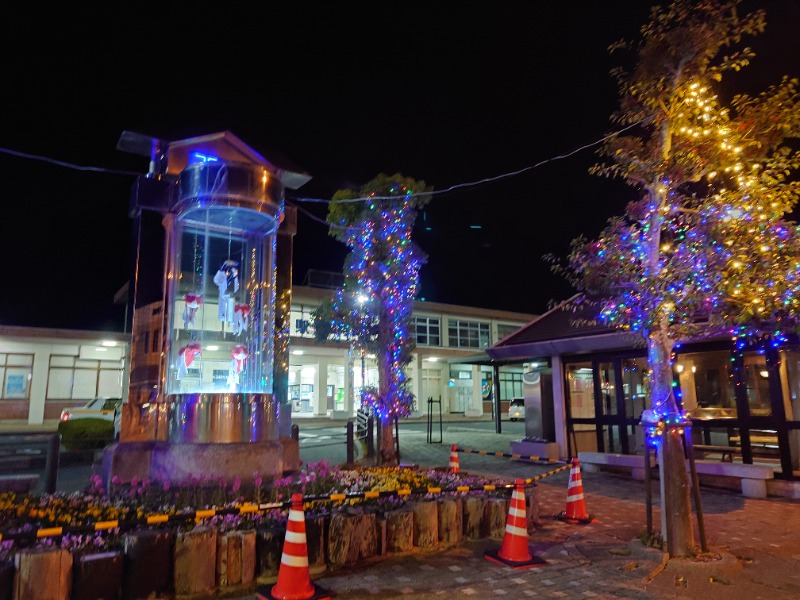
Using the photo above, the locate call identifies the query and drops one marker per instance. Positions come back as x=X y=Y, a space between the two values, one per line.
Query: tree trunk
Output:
x=676 y=507
x=388 y=457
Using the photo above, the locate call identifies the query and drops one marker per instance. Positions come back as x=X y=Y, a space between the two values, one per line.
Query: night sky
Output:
x=445 y=92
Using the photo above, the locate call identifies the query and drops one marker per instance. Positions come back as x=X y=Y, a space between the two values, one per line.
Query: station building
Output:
x=46 y=370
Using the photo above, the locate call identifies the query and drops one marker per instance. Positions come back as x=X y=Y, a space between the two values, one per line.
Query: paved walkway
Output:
x=754 y=544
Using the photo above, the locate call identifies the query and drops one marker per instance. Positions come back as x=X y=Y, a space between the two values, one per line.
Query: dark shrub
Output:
x=86 y=434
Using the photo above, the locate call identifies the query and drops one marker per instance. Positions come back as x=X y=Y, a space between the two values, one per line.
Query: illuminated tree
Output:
x=709 y=247
x=373 y=308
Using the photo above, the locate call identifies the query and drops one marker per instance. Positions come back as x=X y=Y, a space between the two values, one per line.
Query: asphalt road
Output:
x=317 y=442
x=328 y=442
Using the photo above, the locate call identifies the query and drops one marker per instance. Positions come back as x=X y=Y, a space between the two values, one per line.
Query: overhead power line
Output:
x=480 y=181
x=61 y=163
x=457 y=186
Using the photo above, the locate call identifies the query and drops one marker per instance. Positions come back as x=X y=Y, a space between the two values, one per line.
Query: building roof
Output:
x=61 y=335
x=315 y=293
x=230 y=148
x=560 y=322
x=222 y=144
x=561 y=330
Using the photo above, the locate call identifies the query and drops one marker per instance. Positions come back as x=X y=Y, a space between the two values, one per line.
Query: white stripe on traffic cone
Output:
x=294 y=581
x=515 y=552
x=576 y=507
x=453 y=466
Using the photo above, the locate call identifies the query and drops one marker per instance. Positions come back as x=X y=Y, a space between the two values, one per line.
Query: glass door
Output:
x=635 y=383
x=605 y=400
x=582 y=427
x=607 y=392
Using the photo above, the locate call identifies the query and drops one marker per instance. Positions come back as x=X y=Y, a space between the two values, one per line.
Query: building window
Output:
x=460 y=388
x=154 y=348
x=757 y=376
x=16 y=371
x=467 y=334
x=145 y=341
x=510 y=384
x=790 y=374
x=431 y=389
x=427 y=331
x=301 y=322
x=503 y=330
x=73 y=378
x=580 y=390
x=706 y=383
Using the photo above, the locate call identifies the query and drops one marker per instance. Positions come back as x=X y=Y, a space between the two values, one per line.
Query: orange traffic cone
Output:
x=294 y=581
x=453 y=466
x=515 y=552
x=576 y=507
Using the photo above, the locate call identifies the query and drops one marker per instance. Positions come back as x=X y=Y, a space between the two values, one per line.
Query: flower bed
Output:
x=240 y=525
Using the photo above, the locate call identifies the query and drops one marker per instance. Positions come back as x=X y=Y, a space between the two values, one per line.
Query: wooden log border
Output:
x=437 y=518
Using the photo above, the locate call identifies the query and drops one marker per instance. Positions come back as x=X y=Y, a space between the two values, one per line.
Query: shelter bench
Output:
x=760 y=445
x=729 y=453
x=631 y=463
x=756 y=441
x=726 y=452
x=753 y=478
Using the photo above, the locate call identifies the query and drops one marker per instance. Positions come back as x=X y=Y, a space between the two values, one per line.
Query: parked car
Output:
x=516 y=409
x=91 y=426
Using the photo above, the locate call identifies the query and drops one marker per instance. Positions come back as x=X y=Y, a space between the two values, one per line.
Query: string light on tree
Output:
x=708 y=250
x=373 y=308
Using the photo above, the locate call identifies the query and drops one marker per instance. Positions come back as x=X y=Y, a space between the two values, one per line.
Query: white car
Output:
x=516 y=409
x=106 y=409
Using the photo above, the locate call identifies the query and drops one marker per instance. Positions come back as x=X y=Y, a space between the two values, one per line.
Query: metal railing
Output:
x=431 y=418
x=16 y=448
x=363 y=432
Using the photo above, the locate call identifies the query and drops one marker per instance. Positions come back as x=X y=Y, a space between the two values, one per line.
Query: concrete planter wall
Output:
x=162 y=564
x=544 y=450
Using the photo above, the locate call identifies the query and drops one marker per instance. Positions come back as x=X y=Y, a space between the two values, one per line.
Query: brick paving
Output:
x=754 y=545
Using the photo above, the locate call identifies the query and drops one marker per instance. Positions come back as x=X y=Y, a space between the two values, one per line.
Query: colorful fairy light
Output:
x=658 y=424
x=373 y=308
x=709 y=247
